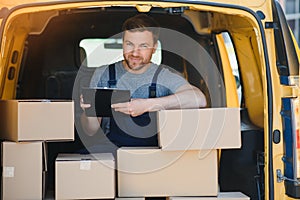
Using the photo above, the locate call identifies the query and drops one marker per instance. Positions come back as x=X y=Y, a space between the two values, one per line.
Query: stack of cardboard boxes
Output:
x=184 y=166
x=25 y=127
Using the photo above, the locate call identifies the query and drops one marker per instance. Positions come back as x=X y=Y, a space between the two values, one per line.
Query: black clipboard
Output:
x=101 y=99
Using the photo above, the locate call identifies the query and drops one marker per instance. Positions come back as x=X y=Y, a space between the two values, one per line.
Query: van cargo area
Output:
x=50 y=51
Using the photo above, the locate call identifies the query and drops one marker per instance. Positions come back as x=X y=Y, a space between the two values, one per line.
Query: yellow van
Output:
x=240 y=53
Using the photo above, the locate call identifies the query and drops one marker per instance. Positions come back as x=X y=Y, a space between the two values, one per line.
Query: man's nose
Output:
x=135 y=50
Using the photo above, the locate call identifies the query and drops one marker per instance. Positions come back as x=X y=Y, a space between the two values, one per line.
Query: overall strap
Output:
x=112 y=82
x=152 y=87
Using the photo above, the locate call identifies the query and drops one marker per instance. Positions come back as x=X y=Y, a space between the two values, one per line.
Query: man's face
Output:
x=138 y=48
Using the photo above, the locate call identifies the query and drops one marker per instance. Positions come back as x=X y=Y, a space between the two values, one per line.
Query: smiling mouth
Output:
x=135 y=58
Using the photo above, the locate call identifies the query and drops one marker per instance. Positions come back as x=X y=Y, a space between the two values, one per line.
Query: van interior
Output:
x=55 y=65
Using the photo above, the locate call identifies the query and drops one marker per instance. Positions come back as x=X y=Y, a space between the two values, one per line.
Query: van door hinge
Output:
x=281 y=177
x=272 y=25
x=290 y=91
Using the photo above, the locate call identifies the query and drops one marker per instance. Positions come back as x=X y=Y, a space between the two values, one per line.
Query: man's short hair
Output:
x=142 y=22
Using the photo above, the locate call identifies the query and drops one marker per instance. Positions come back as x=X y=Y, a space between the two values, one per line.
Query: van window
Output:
x=286 y=54
x=233 y=63
x=104 y=51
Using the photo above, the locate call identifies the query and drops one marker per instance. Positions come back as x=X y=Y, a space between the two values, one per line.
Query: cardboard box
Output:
x=198 y=129
x=221 y=196
x=22 y=175
x=151 y=172
x=31 y=120
x=85 y=176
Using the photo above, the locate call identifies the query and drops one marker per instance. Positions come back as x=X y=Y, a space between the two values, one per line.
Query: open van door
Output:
x=287 y=60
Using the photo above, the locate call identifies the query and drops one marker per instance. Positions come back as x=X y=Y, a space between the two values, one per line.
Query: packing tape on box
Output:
x=8 y=172
x=85 y=165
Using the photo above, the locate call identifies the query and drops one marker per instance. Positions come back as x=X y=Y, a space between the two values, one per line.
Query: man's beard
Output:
x=137 y=68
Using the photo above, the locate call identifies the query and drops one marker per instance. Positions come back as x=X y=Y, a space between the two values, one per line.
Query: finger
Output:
x=133 y=114
x=85 y=105
x=122 y=110
x=120 y=105
x=81 y=99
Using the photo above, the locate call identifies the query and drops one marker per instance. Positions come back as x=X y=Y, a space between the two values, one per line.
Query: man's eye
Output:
x=144 y=46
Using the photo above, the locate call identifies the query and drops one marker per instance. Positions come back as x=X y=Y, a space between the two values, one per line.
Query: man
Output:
x=135 y=126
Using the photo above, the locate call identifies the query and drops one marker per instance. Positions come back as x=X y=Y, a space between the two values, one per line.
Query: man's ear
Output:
x=154 y=48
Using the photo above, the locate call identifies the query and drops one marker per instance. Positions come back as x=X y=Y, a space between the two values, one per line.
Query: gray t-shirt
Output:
x=167 y=81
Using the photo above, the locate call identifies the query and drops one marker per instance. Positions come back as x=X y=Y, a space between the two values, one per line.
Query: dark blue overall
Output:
x=133 y=131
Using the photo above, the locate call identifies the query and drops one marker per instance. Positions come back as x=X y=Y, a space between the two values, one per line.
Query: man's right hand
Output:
x=89 y=124
x=82 y=104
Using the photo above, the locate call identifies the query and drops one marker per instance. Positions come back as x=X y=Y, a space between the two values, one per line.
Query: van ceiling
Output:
x=91 y=22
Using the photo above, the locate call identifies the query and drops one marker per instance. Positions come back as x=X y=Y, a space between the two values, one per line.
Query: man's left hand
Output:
x=134 y=108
